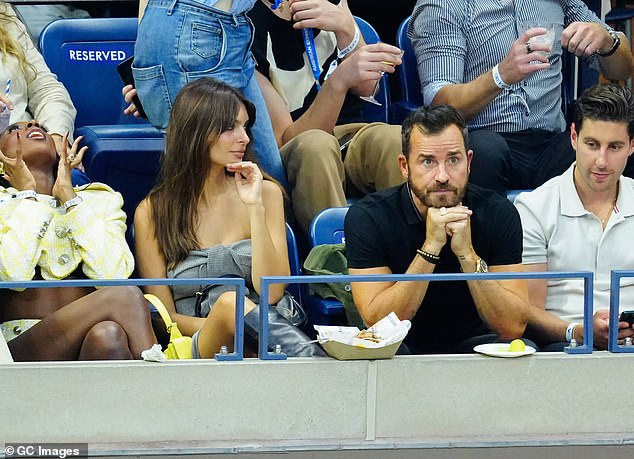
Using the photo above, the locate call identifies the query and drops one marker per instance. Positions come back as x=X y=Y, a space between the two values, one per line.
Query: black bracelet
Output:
x=428 y=257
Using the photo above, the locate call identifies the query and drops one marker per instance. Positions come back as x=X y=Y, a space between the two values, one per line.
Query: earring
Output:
x=1 y=168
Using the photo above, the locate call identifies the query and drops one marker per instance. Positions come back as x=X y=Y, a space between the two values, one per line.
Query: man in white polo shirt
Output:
x=583 y=220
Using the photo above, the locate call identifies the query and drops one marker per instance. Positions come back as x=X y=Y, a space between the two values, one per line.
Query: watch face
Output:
x=482 y=266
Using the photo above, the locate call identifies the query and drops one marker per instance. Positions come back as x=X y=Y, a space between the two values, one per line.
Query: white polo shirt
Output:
x=559 y=231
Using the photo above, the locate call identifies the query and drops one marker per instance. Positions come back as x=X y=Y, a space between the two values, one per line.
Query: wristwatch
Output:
x=617 y=41
x=481 y=266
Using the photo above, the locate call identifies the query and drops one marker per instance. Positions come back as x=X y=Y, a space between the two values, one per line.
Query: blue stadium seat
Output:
x=79 y=178
x=125 y=157
x=373 y=112
x=408 y=77
x=84 y=54
x=326 y=228
x=512 y=194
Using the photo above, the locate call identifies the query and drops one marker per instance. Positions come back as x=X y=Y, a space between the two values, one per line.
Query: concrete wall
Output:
x=469 y=401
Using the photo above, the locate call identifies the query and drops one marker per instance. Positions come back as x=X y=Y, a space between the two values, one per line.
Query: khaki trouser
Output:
x=318 y=177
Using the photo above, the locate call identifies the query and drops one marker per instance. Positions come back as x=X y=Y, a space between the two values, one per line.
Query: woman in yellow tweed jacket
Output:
x=49 y=230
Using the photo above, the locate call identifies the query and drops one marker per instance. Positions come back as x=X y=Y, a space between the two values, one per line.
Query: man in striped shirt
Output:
x=481 y=57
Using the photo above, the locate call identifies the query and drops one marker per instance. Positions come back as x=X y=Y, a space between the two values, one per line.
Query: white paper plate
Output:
x=501 y=350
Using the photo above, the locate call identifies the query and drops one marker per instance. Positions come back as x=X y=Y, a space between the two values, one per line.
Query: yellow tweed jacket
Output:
x=41 y=233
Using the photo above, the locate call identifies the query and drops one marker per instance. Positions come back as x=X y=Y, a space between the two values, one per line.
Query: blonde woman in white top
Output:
x=33 y=92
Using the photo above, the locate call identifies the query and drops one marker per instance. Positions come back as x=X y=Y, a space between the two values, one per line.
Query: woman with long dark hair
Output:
x=212 y=214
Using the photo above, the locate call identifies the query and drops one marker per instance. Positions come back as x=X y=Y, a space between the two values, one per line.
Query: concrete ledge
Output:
x=198 y=407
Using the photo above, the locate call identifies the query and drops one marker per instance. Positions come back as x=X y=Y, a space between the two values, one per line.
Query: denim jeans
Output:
x=179 y=41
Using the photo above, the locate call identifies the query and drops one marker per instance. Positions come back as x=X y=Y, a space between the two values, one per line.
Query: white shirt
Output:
x=559 y=231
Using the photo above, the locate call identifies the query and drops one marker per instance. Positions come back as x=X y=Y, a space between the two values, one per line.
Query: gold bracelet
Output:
x=428 y=257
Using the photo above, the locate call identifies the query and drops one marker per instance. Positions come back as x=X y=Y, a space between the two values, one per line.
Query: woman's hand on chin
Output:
x=248 y=180
x=16 y=170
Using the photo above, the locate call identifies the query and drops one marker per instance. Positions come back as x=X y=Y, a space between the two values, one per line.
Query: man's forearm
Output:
x=469 y=98
x=545 y=326
x=403 y=298
x=504 y=311
x=322 y=114
x=620 y=65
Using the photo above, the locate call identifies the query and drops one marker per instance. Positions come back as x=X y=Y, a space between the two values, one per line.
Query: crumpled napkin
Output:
x=154 y=354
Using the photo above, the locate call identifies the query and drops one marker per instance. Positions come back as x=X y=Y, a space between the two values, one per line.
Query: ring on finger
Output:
x=443 y=211
x=528 y=47
x=71 y=157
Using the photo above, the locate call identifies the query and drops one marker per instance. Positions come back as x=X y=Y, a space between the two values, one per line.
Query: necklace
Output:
x=607 y=217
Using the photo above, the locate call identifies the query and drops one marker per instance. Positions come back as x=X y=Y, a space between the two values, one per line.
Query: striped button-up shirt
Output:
x=456 y=41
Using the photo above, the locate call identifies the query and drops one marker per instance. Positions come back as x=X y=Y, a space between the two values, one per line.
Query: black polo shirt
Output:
x=385 y=229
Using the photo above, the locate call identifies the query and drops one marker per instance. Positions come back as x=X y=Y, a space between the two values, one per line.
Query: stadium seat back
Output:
x=84 y=54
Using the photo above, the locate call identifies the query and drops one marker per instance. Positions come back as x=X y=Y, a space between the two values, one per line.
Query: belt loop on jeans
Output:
x=171 y=8
x=236 y=22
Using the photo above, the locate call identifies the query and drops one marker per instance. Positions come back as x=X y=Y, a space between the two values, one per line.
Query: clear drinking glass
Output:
x=372 y=98
x=551 y=38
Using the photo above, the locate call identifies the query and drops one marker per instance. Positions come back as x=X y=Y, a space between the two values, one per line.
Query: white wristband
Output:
x=72 y=202
x=353 y=44
x=497 y=79
x=24 y=194
x=570 y=331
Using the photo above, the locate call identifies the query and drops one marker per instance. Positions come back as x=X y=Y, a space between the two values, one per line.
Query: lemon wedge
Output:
x=517 y=345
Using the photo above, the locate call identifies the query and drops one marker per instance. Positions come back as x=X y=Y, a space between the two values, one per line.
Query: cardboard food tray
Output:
x=341 y=351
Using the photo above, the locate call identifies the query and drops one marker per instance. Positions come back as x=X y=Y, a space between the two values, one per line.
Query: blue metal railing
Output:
x=238 y=340
x=587 y=276
x=615 y=301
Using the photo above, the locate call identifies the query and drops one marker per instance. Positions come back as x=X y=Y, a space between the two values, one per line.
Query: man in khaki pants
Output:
x=327 y=152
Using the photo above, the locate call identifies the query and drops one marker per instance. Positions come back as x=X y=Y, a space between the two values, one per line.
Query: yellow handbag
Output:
x=179 y=347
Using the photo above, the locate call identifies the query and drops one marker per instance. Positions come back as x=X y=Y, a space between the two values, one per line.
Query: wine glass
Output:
x=372 y=98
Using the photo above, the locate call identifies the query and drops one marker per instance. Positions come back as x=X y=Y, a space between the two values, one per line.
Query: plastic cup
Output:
x=551 y=38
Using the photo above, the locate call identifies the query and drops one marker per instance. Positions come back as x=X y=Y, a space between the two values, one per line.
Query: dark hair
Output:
x=432 y=119
x=606 y=102
x=203 y=109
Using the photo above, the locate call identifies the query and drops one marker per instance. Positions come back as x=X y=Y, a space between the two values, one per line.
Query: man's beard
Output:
x=445 y=200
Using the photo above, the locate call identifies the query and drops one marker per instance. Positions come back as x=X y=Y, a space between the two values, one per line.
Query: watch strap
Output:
x=615 y=45
x=72 y=202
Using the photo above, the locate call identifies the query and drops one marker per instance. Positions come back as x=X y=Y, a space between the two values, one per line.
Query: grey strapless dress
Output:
x=233 y=260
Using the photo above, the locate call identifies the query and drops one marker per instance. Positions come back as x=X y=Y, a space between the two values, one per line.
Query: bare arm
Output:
x=550 y=328
x=586 y=38
x=323 y=15
x=470 y=98
x=375 y=300
x=502 y=305
x=151 y=264
x=364 y=65
x=263 y=201
x=268 y=233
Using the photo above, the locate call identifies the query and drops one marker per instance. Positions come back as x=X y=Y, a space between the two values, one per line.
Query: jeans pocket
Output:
x=151 y=85
x=207 y=40
x=202 y=44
